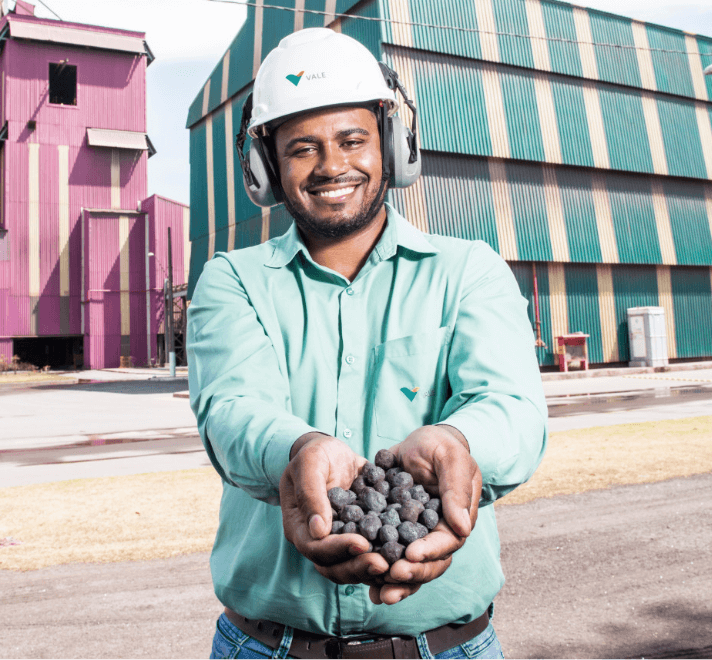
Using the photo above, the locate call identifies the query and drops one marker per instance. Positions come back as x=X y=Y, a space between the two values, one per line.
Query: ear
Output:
x=404 y=173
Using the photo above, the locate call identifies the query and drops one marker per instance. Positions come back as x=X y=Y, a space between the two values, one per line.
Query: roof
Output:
x=34 y=29
x=102 y=137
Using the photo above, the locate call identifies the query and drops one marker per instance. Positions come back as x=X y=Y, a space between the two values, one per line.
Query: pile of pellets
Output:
x=385 y=506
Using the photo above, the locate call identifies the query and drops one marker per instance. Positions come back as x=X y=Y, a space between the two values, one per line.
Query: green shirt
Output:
x=279 y=346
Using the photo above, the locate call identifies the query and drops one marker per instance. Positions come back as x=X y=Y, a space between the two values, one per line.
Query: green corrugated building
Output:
x=577 y=143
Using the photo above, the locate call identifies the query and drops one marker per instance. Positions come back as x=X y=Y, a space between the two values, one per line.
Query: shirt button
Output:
x=350 y=589
x=347 y=433
x=350 y=359
x=350 y=291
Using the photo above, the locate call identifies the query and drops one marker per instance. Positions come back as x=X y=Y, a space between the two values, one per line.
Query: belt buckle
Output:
x=335 y=645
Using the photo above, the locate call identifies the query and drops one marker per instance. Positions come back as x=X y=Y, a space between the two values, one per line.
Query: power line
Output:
x=460 y=29
x=44 y=4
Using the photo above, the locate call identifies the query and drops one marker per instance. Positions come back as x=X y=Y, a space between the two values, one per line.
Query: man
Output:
x=351 y=333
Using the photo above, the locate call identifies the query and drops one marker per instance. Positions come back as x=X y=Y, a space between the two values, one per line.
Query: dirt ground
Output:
x=615 y=573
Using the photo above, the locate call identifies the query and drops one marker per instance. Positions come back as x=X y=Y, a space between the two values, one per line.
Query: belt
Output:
x=312 y=645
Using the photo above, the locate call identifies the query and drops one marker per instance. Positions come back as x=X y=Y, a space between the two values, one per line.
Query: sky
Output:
x=188 y=38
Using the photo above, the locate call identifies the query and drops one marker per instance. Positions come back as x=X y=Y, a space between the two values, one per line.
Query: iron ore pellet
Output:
x=422 y=530
x=360 y=503
x=418 y=493
x=407 y=532
x=350 y=528
x=372 y=474
x=396 y=506
x=339 y=498
x=385 y=459
x=402 y=479
x=434 y=504
x=337 y=526
x=369 y=526
x=392 y=551
x=383 y=487
x=390 y=517
x=429 y=518
x=358 y=485
x=399 y=495
x=392 y=473
x=351 y=513
x=374 y=501
x=411 y=511
x=388 y=533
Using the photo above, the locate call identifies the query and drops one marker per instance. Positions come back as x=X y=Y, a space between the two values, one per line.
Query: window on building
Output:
x=62 y=84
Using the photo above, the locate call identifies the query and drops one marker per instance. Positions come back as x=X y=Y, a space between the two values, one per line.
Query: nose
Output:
x=332 y=162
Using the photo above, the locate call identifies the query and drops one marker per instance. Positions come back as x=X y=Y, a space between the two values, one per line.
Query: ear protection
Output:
x=399 y=151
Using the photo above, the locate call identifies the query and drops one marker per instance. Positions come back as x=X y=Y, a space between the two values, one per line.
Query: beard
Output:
x=344 y=224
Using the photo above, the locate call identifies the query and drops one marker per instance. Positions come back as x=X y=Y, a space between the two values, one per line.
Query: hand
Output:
x=318 y=463
x=439 y=458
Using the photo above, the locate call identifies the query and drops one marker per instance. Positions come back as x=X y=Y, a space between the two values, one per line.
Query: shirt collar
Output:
x=398 y=232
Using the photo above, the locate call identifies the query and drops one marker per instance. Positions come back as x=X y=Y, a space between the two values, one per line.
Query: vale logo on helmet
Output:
x=295 y=80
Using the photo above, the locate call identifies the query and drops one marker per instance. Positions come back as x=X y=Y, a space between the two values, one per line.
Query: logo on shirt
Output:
x=410 y=393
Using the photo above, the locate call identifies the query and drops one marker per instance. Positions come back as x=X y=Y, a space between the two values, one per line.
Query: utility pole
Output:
x=169 y=312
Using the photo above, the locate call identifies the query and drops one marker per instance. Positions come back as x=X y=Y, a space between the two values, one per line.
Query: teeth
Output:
x=336 y=193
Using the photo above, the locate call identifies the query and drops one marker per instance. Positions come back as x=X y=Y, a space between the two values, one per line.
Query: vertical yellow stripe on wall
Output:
x=607 y=312
x=265 y=224
x=555 y=213
x=211 y=185
x=708 y=200
x=229 y=160
x=225 y=77
x=494 y=102
x=665 y=301
x=703 y=122
x=547 y=118
x=124 y=275
x=257 y=51
x=537 y=31
x=489 y=45
x=645 y=60
x=662 y=220
x=559 y=306
x=206 y=98
x=33 y=247
x=604 y=220
x=115 y=179
x=298 y=15
x=186 y=242
x=596 y=128
x=329 y=11
x=63 y=177
x=698 y=77
x=584 y=37
x=400 y=12
x=504 y=218
x=655 y=134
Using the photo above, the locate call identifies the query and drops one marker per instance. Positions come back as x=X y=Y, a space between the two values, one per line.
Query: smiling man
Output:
x=354 y=332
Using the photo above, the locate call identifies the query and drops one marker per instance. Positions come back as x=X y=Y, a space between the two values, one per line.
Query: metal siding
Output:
x=626 y=134
x=555 y=213
x=633 y=286
x=220 y=189
x=198 y=182
x=672 y=70
x=666 y=302
x=314 y=20
x=560 y=25
x=198 y=259
x=634 y=219
x=529 y=211
x=692 y=300
x=511 y=19
x=689 y=222
x=504 y=216
x=486 y=20
x=462 y=14
x=642 y=51
x=607 y=312
x=579 y=214
x=559 y=304
x=574 y=135
x=458 y=196
x=537 y=33
x=616 y=65
x=525 y=279
x=522 y=114
x=681 y=135
x=704 y=46
x=366 y=32
x=241 y=51
x=583 y=307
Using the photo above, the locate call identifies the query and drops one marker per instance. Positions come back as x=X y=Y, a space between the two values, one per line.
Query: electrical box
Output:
x=647 y=337
x=573 y=350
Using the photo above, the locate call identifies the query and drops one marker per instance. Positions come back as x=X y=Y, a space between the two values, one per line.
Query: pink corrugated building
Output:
x=82 y=252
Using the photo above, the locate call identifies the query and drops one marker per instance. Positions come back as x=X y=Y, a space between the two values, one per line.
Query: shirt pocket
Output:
x=411 y=382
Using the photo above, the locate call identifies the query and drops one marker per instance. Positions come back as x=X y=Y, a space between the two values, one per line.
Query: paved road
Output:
x=607 y=574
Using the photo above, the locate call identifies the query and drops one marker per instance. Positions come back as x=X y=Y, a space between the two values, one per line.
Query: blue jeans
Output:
x=231 y=642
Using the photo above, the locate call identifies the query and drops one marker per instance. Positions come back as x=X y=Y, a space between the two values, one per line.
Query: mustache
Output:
x=337 y=180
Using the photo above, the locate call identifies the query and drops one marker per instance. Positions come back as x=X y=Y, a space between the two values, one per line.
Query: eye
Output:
x=304 y=151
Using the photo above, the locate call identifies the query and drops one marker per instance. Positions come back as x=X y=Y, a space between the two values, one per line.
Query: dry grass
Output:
x=164 y=514
x=590 y=459
x=11 y=378
x=144 y=516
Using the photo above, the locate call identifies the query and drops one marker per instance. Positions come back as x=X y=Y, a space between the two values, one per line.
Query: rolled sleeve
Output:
x=240 y=398
x=497 y=399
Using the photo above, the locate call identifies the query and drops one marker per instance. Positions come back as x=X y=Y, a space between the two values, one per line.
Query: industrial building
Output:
x=82 y=251
x=577 y=143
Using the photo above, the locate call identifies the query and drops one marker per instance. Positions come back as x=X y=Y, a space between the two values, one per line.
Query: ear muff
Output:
x=405 y=170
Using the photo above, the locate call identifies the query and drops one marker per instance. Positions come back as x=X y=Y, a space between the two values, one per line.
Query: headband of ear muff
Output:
x=399 y=150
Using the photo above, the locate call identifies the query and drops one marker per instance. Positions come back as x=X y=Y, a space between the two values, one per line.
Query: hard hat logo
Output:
x=295 y=80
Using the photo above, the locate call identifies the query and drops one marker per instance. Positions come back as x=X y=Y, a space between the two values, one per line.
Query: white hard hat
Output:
x=316 y=68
